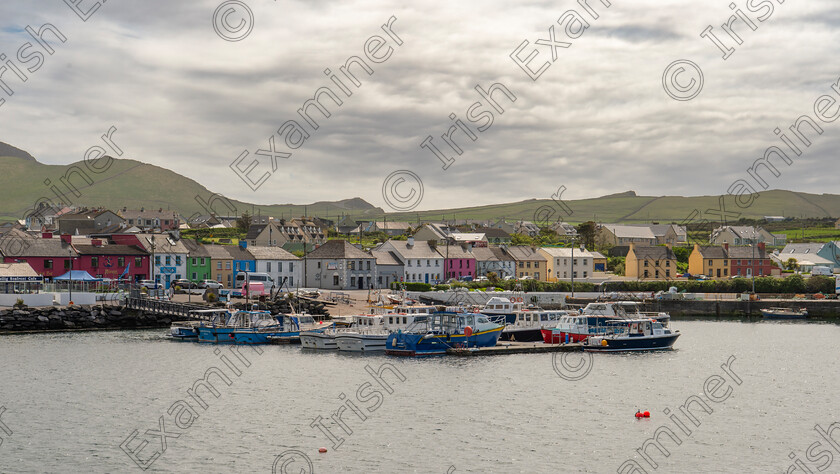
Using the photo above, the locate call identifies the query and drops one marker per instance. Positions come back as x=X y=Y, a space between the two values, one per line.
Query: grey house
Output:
x=338 y=265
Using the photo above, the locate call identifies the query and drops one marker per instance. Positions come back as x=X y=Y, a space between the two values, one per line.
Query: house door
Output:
x=361 y=283
x=427 y=278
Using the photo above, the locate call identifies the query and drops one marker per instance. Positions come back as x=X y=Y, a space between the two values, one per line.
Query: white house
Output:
x=493 y=259
x=170 y=262
x=423 y=263
x=283 y=267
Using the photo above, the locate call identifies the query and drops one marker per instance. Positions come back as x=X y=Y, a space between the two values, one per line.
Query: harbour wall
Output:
x=707 y=305
x=78 y=317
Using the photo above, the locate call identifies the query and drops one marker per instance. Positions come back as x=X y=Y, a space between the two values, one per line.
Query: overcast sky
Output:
x=597 y=120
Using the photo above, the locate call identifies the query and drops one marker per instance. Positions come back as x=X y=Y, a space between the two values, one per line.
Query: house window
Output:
x=138 y=262
x=194 y=276
x=646 y=264
x=409 y=263
x=428 y=263
x=67 y=264
x=121 y=261
x=168 y=260
x=536 y=275
x=227 y=265
x=291 y=266
x=667 y=263
x=710 y=263
x=437 y=263
x=268 y=267
x=521 y=264
x=725 y=272
x=194 y=261
x=657 y=273
x=536 y=264
x=724 y=262
x=218 y=265
x=646 y=272
x=177 y=260
x=335 y=280
x=319 y=264
x=291 y=281
x=157 y=259
x=527 y=264
x=48 y=263
x=584 y=274
x=351 y=265
x=353 y=281
x=667 y=273
x=279 y=267
x=94 y=262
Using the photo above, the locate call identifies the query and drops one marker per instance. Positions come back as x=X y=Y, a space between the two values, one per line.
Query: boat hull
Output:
x=320 y=341
x=215 y=335
x=361 y=342
x=408 y=344
x=782 y=315
x=555 y=336
x=522 y=335
x=625 y=344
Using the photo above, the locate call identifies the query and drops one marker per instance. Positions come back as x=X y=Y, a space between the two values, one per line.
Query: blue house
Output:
x=243 y=261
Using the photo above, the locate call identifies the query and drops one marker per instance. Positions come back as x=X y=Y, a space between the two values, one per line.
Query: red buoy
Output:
x=322 y=450
x=647 y=414
x=639 y=414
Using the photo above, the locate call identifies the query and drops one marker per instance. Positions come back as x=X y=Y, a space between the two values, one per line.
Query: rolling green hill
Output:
x=629 y=208
x=132 y=184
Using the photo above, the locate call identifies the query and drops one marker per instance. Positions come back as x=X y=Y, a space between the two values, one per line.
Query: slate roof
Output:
x=110 y=250
x=219 y=252
x=420 y=249
x=525 y=253
x=338 y=249
x=630 y=232
x=386 y=257
x=657 y=252
x=15 y=243
x=493 y=233
x=271 y=253
x=566 y=252
x=238 y=253
x=747 y=252
x=196 y=249
x=713 y=252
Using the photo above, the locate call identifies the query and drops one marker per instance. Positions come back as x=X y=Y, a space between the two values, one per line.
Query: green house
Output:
x=198 y=261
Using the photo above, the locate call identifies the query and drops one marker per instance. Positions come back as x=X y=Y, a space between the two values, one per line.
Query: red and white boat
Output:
x=593 y=321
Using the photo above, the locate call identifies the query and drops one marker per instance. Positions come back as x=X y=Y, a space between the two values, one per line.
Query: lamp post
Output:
x=574 y=242
x=70 y=257
x=152 y=263
x=753 y=261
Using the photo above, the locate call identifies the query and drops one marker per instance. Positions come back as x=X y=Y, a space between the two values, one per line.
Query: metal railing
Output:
x=162 y=306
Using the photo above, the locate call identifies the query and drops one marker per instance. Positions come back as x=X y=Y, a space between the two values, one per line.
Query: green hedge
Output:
x=412 y=286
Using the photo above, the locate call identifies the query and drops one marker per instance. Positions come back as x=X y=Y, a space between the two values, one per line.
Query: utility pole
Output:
x=574 y=242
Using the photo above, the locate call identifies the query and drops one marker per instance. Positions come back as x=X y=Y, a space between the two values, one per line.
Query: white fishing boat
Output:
x=368 y=334
x=320 y=340
x=530 y=323
x=785 y=313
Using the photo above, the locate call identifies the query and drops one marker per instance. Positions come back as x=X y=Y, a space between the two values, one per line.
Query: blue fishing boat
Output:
x=188 y=330
x=442 y=331
x=257 y=327
x=633 y=335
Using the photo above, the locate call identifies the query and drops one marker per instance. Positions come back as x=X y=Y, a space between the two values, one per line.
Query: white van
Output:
x=254 y=277
x=818 y=270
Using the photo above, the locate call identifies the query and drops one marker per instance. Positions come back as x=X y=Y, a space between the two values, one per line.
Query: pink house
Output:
x=459 y=261
x=49 y=257
x=113 y=260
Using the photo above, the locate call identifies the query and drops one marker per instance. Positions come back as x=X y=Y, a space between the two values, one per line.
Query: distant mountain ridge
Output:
x=133 y=184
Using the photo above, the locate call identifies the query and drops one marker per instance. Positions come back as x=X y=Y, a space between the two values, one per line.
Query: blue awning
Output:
x=77 y=275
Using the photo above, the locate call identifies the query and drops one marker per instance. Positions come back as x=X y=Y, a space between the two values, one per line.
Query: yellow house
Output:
x=711 y=261
x=650 y=262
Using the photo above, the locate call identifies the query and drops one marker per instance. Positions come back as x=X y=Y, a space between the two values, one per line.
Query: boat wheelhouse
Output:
x=188 y=330
x=442 y=331
x=257 y=327
x=502 y=310
x=530 y=323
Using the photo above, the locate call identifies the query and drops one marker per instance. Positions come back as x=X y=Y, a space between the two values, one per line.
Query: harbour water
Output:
x=72 y=399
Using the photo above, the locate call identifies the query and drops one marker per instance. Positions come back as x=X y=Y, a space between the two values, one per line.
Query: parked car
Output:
x=184 y=283
x=465 y=278
x=482 y=279
x=205 y=284
x=150 y=284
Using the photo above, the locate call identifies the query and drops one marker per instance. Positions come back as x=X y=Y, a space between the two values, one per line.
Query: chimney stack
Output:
x=66 y=238
x=761 y=246
x=411 y=241
x=46 y=235
x=726 y=246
